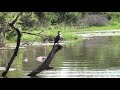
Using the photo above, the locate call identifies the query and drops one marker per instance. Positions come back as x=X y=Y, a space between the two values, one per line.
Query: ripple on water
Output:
x=80 y=74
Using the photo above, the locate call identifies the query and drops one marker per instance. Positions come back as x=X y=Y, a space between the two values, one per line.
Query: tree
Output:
x=17 y=45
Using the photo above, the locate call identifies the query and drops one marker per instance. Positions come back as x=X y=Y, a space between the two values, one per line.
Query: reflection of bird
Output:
x=57 y=38
x=41 y=58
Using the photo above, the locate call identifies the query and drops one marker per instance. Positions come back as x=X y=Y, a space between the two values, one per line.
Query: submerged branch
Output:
x=46 y=63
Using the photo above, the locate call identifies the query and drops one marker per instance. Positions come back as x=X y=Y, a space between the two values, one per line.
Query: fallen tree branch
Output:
x=46 y=63
x=17 y=46
x=37 y=34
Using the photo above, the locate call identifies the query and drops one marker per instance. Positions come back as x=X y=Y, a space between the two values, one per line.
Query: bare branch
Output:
x=36 y=34
x=17 y=45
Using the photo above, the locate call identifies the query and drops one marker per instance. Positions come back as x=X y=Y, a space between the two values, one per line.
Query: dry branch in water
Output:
x=46 y=63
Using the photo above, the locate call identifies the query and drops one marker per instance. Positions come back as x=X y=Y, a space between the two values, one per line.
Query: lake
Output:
x=93 y=57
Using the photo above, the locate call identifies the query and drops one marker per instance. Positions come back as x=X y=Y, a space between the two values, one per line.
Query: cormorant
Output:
x=57 y=38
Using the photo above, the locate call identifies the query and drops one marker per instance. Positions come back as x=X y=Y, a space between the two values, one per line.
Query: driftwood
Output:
x=45 y=64
x=17 y=45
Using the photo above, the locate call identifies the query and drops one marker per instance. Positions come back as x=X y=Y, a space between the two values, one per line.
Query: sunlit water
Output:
x=94 y=57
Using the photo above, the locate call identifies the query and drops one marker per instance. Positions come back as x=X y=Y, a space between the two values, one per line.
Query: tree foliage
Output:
x=30 y=21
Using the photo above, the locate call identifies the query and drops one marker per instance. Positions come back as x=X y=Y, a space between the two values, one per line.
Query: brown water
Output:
x=95 y=57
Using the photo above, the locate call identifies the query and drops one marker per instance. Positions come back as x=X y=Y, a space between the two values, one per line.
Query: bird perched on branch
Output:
x=57 y=38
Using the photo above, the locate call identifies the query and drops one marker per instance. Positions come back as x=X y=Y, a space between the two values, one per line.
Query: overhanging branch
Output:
x=36 y=34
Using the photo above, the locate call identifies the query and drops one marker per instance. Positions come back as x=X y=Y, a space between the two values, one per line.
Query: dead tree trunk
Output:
x=45 y=64
x=15 y=52
x=17 y=46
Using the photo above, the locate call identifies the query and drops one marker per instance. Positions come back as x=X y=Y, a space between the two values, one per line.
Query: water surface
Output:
x=94 y=57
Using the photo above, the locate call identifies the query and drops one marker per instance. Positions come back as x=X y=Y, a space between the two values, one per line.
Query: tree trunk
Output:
x=15 y=51
x=45 y=64
x=17 y=45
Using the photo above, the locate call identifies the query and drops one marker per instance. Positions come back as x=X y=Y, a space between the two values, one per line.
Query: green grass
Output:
x=66 y=31
x=30 y=38
x=101 y=28
x=111 y=26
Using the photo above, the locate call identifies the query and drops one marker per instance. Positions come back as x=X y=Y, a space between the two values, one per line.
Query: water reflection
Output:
x=87 y=58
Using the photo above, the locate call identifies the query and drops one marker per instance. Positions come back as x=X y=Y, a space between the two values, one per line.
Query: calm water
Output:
x=95 y=57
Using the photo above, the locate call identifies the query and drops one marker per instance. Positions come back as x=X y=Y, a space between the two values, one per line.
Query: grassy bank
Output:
x=100 y=28
x=51 y=32
x=66 y=31
x=111 y=26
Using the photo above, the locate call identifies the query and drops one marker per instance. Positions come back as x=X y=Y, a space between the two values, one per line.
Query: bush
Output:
x=95 y=20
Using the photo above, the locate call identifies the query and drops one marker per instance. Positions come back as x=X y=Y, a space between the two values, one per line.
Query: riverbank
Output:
x=69 y=33
x=82 y=35
x=86 y=34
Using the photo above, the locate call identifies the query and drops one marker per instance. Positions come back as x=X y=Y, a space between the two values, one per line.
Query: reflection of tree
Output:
x=6 y=54
x=72 y=51
x=4 y=57
x=96 y=41
x=32 y=53
x=95 y=53
x=101 y=56
x=102 y=53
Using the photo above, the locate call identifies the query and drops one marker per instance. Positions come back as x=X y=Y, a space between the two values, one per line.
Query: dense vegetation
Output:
x=50 y=22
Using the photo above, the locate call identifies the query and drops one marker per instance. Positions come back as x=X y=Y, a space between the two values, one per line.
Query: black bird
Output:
x=57 y=38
